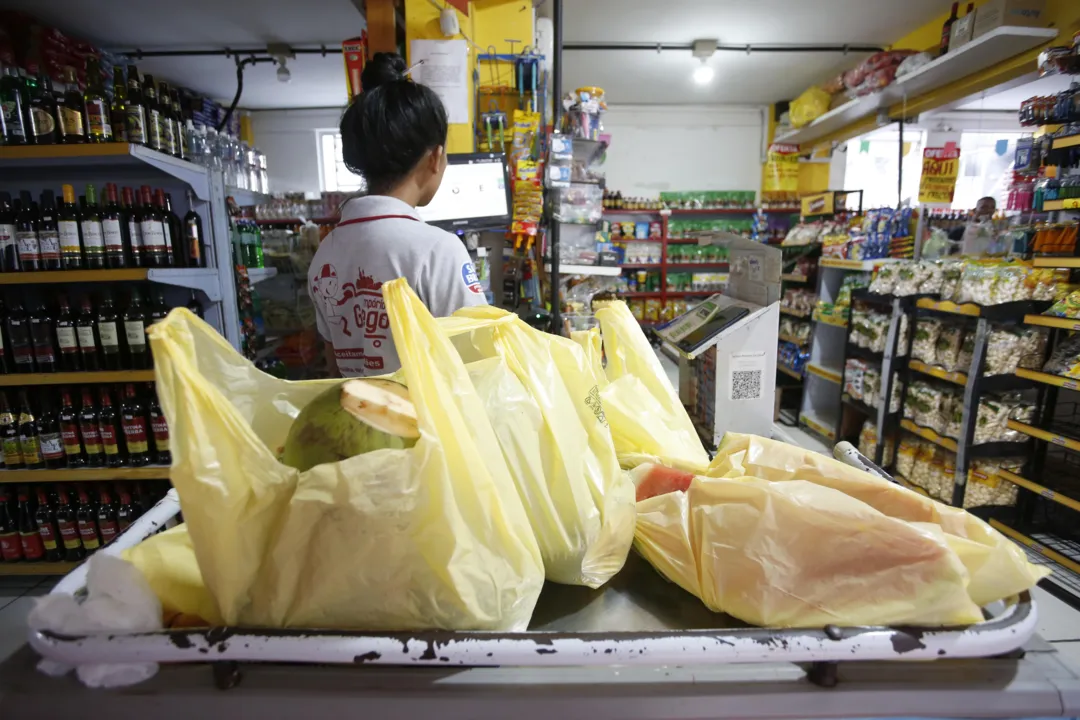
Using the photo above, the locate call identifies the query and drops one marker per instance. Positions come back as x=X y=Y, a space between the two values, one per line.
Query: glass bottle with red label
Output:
x=33 y=548
x=49 y=437
x=10 y=545
x=69 y=431
x=108 y=526
x=134 y=421
x=90 y=430
x=160 y=429
x=45 y=516
x=28 y=437
x=114 y=229
x=9 y=435
x=68 y=525
x=126 y=512
x=85 y=519
x=111 y=431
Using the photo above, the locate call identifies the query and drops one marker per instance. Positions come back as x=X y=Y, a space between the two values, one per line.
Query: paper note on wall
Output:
x=445 y=70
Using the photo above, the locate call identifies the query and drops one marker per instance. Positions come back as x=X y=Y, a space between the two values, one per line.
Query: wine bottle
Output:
x=10 y=545
x=67 y=338
x=135 y=323
x=170 y=226
x=153 y=231
x=67 y=226
x=134 y=421
x=98 y=122
x=44 y=123
x=113 y=229
x=168 y=123
x=193 y=238
x=14 y=102
x=29 y=445
x=26 y=233
x=93 y=237
x=154 y=137
x=118 y=110
x=9 y=435
x=9 y=248
x=136 y=112
x=49 y=436
x=68 y=525
x=111 y=431
x=70 y=110
x=160 y=429
x=69 y=431
x=22 y=348
x=109 y=334
x=85 y=520
x=42 y=334
x=90 y=430
x=33 y=549
x=45 y=519
x=87 y=335
x=135 y=242
x=48 y=235
x=108 y=528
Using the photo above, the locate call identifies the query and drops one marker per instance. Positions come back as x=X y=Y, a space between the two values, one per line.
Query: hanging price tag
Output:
x=939 y=171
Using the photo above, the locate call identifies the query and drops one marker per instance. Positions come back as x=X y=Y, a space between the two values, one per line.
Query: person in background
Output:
x=394 y=136
x=977 y=235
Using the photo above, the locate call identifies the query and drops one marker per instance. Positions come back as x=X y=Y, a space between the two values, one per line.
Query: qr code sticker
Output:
x=746 y=385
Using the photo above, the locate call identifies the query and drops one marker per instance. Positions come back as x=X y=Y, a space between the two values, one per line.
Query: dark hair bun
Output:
x=382 y=69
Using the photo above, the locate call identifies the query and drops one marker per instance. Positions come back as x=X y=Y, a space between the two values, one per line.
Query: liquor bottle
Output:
x=44 y=126
x=125 y=511
x=109 y=334
x=135 y=324
x=10 y=545
x=85 y=521
x=87 y=335
x=28 y=439
x=98 y=123
x=178 y=125
x=158 y=310
x=193 y=239
x=70 y=110
x=67 y=228
x=90 y=430
x=134 y=421
x=160 y=429
x=26 y=233
x=67 y=338
x=33 y=550
x=48 y=235
x=5 y=359
x=69 y=431
x=107 y=522
x=118 y=110
x=111 y=431
x=9 y=435
x=93 y=238
x=68 y=525
x=136 y=111
x=168 y=122
x=153 y=231
x=42 y=333
x=131 y=217
x=50 y=437
x=946 y=30
x=22 y=348
x=195 y=306
x=170 y=225
x=113 y=229
x=154 y=133
x=9 y=248
x=14 y=101
x=45 y=519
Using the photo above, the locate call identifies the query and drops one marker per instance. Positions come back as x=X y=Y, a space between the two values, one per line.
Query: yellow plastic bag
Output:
x=167 y=561
x=580 y=503
x=647 y=418
x=998 y=568
x=430 y=537
x=812 y=104
x=796 y=554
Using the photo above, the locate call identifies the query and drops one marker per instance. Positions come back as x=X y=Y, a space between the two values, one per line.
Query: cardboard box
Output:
x=961 y=33
x=996 y=13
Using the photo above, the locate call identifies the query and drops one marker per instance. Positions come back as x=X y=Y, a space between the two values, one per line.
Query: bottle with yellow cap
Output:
x=67 y=227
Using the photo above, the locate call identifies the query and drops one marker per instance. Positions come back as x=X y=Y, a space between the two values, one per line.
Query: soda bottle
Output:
x=33 y=548
x=133 y=420
x=85 y=521
x=69 y=528
x=90 y=430
x=10 y=544
x=47 y=529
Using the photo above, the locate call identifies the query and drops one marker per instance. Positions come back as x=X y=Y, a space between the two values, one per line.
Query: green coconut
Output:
x=350 y=419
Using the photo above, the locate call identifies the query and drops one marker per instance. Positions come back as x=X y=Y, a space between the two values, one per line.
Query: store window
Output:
x=986 y=160
x=872 y=166
x=335 y=176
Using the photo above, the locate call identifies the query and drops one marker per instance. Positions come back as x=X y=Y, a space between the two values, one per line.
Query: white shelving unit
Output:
x=247 y=198
x=606 y=271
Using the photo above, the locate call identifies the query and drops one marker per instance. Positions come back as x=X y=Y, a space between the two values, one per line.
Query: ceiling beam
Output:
x=748 y=48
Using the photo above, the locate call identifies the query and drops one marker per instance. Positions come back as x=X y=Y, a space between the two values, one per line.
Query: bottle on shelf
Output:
x=5 y=361
x=29 y=446
x=26 y=233
x=195 y=306
x=98 y=121
x=153 y=231
x=158 y=310
x=135 y=110
x=170 y=225
x=125 y=510
x=68 y=525
x=93 y=237
x=135 y=324
x=168 y=122
x=67 y=338
x=154 y=133
x=9 y=248
x=108 y=525
x=131 y=219
x=111 y=431
x=69 y=431
x=48 y=236
x=86 y=522
x=109 y=333
x=50 y=437
x=70 y=110
x=44 y=126
x=90 y=430
x=160 y=429
x=113 y=229
x=87 y=335
x=13 y=101
x=118 y=110
x=193 y=237
x=134 y=421
x=18 y=331
x=946 y=30
x=9 y=435
x=67 y=227
x=45 y=519
x=10 y=545
x=33 y=549
x=178 y=125
x=42 y=334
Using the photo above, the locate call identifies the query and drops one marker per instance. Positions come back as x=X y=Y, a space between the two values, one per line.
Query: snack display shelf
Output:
x=794 y=277
x=148 y=472
x=76 y=378
x=1049 y=261
x=828 y=320
x=854 y=351
x=1065 y=553
x=911 y=486
x=1048 y=379
x=1002 y=311
x=825 y=373
x=859 y=406
x=788 y=371
x=1068 y=141
x=37 y=568
x=1039 y=489
x=928 y=434
x=957 y=378
x=1068 y=204
x=1053 y=322
x=1040 y=434
x=792 y=339
x=857 y=265
x=821 y=426
x=793 y=313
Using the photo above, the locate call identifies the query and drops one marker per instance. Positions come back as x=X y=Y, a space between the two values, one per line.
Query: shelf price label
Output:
x=940 y=168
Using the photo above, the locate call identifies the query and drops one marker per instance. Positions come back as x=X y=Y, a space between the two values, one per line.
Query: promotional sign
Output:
x=782 y=169
x=940 y=166
x=354 y=51
x=818 y=204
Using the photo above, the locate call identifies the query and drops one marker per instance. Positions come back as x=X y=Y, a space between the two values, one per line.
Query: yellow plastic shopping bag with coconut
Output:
x=432 y=535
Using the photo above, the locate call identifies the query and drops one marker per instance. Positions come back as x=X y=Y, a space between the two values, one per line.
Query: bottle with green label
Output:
x=93 y=235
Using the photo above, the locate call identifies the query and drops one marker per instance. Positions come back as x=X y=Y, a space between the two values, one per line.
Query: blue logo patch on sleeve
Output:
x=470 y=278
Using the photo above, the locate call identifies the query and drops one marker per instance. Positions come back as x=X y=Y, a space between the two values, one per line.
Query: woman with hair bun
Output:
x=394 y=136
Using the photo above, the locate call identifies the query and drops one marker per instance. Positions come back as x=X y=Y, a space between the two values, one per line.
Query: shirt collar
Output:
x=372 y=205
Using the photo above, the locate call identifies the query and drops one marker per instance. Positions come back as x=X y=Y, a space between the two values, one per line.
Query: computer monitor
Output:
x=474 y=195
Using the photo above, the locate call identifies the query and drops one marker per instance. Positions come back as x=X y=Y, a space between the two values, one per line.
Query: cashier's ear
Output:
x=437 y=160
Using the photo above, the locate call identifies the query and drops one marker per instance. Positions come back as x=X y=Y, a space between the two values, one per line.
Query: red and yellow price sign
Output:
x=940 y=167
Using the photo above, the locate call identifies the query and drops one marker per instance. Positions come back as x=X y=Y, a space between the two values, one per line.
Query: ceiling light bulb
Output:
x=703 y=75
x=283 y=74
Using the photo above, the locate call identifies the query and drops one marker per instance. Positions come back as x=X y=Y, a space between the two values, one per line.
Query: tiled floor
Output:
x=17 y=595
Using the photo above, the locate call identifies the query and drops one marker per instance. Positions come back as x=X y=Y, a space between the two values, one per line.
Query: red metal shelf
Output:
x=713 y=211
